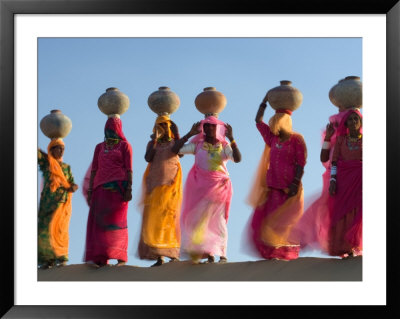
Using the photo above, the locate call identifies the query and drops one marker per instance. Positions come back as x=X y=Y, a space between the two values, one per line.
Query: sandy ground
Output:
x=302 y=269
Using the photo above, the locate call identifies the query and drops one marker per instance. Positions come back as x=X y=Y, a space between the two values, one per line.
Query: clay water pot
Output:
x=113 y=101
x=163 y=101
x=285 y=97
x=347 y=93
x=210 y=101
x=55 y=124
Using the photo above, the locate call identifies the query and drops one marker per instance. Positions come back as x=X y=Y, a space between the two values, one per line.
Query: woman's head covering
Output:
x=57 y=177
x=342 y=129
x=163 y=119
x=220 y=132
x=280 y=120
x=113 y=128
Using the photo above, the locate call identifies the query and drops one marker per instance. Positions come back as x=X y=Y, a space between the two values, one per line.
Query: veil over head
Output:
x=57 y=176
x=163 y=119
x=342 y=129
x=220 y=132
x=115 y=124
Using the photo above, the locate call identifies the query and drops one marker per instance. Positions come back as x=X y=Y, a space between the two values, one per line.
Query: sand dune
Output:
x=302 y=269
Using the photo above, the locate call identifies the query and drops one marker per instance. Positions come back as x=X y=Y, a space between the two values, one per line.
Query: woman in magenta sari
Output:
x=315 y=228
x=277 y=194
x=314 y=223
x=208 y=189
x=345 y=204
x=108 y=193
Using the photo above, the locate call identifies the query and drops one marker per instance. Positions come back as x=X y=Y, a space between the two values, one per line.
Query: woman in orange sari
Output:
x=162 y=195
x=55 y=206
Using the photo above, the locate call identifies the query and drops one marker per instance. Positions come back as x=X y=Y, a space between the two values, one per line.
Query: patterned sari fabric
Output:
x=161 y=202
x=273 y=224
x=54 y=208
x=107 y=228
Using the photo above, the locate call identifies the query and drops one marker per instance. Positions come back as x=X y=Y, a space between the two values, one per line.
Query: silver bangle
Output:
x=326 y=145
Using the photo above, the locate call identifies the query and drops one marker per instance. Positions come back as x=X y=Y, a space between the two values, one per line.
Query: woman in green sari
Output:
x=55 y=206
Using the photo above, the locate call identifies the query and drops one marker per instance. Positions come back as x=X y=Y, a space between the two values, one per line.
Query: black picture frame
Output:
x=8 y=10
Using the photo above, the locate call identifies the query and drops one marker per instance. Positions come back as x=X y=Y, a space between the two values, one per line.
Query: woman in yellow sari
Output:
x=162 y=195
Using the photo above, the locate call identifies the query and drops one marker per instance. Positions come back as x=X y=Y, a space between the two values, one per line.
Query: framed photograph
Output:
x=61 y=54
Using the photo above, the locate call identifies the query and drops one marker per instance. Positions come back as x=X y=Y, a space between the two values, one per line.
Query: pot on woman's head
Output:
x=285 y=96
x=55 y=125
x=347 y=93
x=113 y=101
x=164 y=101
x=210 y=102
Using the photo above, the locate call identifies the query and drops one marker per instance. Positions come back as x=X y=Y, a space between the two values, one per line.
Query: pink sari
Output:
x=206 y=203
x=207 y=198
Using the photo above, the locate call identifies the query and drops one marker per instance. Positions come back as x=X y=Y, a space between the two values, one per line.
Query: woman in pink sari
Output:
x=345 y=204
x=208 y=189
x=108 y=193
x=277 y=195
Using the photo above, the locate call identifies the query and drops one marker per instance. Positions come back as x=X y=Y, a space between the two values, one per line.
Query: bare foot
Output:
x=92 y=264
x=209 y=260
x=61 y=264
x=46 y=265
x=172 y=260
x=95 y=265
x=280 y=259
x=195 y=259
x=223 y=260
x=120 y=263
x=356 y=252
x=160 y=261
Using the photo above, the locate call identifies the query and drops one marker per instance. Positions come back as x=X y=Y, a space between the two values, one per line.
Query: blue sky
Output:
x=74 y=72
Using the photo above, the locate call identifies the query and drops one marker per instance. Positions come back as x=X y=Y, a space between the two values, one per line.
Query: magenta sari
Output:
x=107 y=229
x=273 y=223
x=334 y=223
x=345 y=231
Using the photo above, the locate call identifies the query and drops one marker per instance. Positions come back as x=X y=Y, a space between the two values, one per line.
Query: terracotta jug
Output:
x=347 y=93
x=285 y=97
x=210 y=101
x=163 y=101
x=55 y=124
x=113 y=101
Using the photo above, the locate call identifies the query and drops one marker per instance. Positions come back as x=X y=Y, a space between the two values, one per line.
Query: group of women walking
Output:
x=192 y=220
